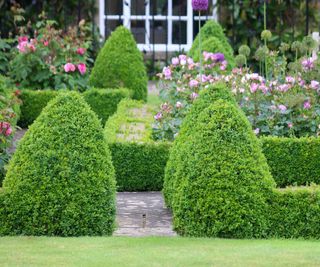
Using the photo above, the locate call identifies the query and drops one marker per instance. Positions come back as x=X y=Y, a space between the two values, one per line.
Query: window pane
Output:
x=179 y=32
x=179 y=7
x=113 y=7
x=111 y=25
x=158 y=32
x=138 y=30
x=158 y=7
x=138 y=7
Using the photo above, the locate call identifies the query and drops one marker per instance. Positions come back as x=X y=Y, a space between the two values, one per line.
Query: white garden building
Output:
x=157 y=25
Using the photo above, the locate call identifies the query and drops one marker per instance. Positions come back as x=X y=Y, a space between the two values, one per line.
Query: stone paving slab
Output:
x=143 y=214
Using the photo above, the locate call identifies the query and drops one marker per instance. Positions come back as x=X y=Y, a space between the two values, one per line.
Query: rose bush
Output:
x=180 y=84
x=51 y=58
x=9 y=113
x=283 y=99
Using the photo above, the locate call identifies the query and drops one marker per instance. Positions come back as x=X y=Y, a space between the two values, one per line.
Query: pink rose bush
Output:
x=180 y=84
x=285 y=104
x=51 y=59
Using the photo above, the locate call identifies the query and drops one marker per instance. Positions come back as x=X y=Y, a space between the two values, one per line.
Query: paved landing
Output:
x=143 y=214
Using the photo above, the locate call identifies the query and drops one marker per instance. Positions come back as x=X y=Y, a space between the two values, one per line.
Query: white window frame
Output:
x=126 y=17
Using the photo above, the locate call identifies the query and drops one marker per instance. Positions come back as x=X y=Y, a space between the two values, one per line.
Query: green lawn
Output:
x=148 y=252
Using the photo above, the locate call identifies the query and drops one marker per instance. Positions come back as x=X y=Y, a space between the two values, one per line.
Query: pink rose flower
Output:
x=23 y=39
x=69 y=67
x=254 y=87
x=193 y=83
x=282 y=108
x=167 y=73
x=82 y=68
x=307 y=105
x=314 y=84
x=81 y=51
x=45 y=42
x=22 y=46
x=175 y=61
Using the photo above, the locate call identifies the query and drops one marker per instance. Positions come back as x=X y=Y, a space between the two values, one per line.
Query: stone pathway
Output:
x=18 y=135
x=143 y=214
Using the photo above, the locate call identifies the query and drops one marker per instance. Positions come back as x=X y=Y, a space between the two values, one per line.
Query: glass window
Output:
x=138 y=7
x=138 y=29
x=111 y=25
x=158 y=32
x=158 y=7
x=113 y=7
x=179 y=7
x=179 y=32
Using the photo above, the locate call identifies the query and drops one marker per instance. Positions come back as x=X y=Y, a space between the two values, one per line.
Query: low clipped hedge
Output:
x=120 y=64
x=294 y=212
x=139 y=161
x=60 y=181
x=103 y=101
x=33 y=102
x=293 y=161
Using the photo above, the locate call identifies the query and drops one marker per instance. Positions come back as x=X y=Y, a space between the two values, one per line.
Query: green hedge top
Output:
x=60 y=181
x=293 y=161
x=294 y=212
x=223 y=177
x=120 y=64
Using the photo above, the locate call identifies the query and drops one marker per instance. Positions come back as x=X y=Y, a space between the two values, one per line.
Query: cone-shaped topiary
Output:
x=211 y=29
x=120 y=64
x=207 y=96
x=224 y=180
x=213 y=45
x=61 y=180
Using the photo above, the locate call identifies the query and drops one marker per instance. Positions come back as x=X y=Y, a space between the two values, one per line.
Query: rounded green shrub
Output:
x=207 y=96
x=214 y=45
x=61 y=179
x=224 y=180
x=211 y=29
x=120 y=64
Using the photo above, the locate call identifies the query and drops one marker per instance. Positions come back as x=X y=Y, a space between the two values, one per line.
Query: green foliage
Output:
x=207 y=96
x=295 y=212
x=104 y=102
x=209 y=30
x=293 y=161
x=32 y=104
x=214 y=45
x=120 y=64
x=139 y=161
x=60 y=181
x=222 y=177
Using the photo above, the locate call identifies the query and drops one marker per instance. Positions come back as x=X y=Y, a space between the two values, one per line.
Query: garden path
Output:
x=143 y=214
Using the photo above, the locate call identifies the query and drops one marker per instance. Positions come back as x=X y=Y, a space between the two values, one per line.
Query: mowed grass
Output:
x=156 y=251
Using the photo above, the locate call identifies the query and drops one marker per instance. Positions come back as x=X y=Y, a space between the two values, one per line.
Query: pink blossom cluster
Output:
x=25 y=46
x=69 y=67
x=5 y=128
x=308 y=63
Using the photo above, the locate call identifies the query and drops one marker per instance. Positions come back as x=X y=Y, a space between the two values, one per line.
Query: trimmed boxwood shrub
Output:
x=139 y=161
x=295 y=212
x=293 y=161
x=33 y=102
x=214 y=45
x=120 y=64
x=211 y=29
x=102 y=101
x=207 y=96
x=61 y=180
x=224 y=180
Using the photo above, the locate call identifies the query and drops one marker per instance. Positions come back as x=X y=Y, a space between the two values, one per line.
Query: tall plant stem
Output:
x=265 y=40
x=200 y=50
